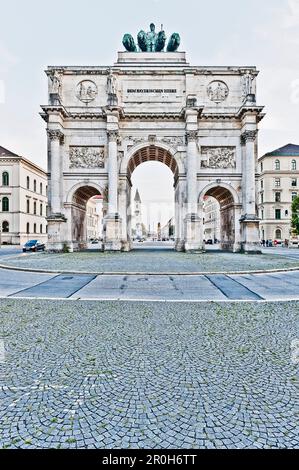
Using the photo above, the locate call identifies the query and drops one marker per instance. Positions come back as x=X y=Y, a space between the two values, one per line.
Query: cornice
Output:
x=218 y=117
x=153 y=116
x=257 y=110
x=53 y=109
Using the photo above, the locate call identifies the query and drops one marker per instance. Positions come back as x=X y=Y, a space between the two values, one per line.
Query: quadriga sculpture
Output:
x=151 y=41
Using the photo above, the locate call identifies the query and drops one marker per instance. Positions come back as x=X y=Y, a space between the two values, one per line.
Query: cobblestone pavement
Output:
x=150 y=260
x=119 y=375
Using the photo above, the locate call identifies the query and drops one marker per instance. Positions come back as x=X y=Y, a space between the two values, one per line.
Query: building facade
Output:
x=211 y=219
x=278 y=186
x=201 y=122
x=23 y=199
x=168 y=230
x=93 y=225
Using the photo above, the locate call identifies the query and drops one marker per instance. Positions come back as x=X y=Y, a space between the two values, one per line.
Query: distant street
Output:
x=8 y=250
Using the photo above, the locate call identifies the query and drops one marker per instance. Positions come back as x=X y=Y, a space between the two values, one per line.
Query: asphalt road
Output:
x=275 y=286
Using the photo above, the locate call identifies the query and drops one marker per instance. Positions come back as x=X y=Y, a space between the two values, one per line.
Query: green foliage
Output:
x=65 y=248
x=295 y=215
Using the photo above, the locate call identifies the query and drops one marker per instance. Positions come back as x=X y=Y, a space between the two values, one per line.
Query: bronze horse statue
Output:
x=174 y=42
x=129 y=43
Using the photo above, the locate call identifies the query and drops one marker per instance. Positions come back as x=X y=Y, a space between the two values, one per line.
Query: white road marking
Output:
x=2 y=351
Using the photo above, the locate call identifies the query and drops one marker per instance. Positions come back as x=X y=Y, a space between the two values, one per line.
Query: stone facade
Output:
x=23 y=199
x=200 y=121
x=278 y=185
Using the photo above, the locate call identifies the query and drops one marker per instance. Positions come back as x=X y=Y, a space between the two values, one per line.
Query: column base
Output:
x=57 y=234
x=179 y=245
x=250 y=229
x=112 y=227
x=126 y=246
x=193 y=234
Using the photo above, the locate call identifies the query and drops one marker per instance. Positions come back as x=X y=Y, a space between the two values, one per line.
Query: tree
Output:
x=295 y=215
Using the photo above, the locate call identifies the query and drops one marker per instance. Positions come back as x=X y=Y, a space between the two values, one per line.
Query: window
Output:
x=28 y=206
x=5 y=227
x=34 y=228
x=41 y=188
x=277 y=197
x=262 y=214
x=28 y=183
x=277 y=182
x=286 y=213
x=5 y=204
x=262 y=184
x=27 y=228
x=294 y=195
x=47 y=210
x=294 y=182
x=5 y=178
x=278 y=234
x=262 y=167
x=41 y=228
x=294 y=165
x=34 y=208
x=262 y=198
x=278 y=214
x=40 y=209
x=277 y=165
x=46 y=228
x=34 y=186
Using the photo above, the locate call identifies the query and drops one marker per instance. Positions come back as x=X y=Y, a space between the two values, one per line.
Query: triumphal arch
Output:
x=202 y=122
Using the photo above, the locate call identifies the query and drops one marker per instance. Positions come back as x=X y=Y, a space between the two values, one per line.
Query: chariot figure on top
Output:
x=151 y=41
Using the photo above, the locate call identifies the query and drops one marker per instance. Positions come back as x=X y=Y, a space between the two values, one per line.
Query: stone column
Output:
x=193 y=235
x=55 y=137
x=112 y=173
x=249 y=219
x=57 y=235
x=248 y=140
x=112 y=220
x=192 y=158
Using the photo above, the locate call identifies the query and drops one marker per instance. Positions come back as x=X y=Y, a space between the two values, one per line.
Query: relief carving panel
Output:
x=218 y=157
x=87 y=157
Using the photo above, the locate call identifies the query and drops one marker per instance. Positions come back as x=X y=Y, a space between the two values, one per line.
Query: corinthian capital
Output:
x=113 y=136
x=248 y=136
x=191 y=136
x=55 y=134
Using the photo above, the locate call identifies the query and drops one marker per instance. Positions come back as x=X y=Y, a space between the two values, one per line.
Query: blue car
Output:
x=33 y=245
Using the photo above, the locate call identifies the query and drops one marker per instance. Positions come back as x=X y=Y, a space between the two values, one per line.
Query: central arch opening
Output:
x=87 y=212
x=219 y=219
x=153 y=173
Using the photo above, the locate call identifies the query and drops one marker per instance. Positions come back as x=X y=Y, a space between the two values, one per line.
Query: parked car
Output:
x=278 y=243
x=209 y=242
x=34 y=245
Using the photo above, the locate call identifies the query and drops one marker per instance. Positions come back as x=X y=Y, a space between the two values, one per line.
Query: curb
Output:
x=136 y=273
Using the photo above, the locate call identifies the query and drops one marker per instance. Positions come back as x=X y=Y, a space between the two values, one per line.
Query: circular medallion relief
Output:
x=217 y=91
x=86 y=91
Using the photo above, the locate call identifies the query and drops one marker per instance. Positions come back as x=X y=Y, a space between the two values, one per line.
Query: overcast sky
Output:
x=36 y=33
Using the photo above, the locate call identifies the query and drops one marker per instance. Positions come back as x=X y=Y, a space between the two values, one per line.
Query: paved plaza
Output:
x=152 y=258
x=156 y=375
